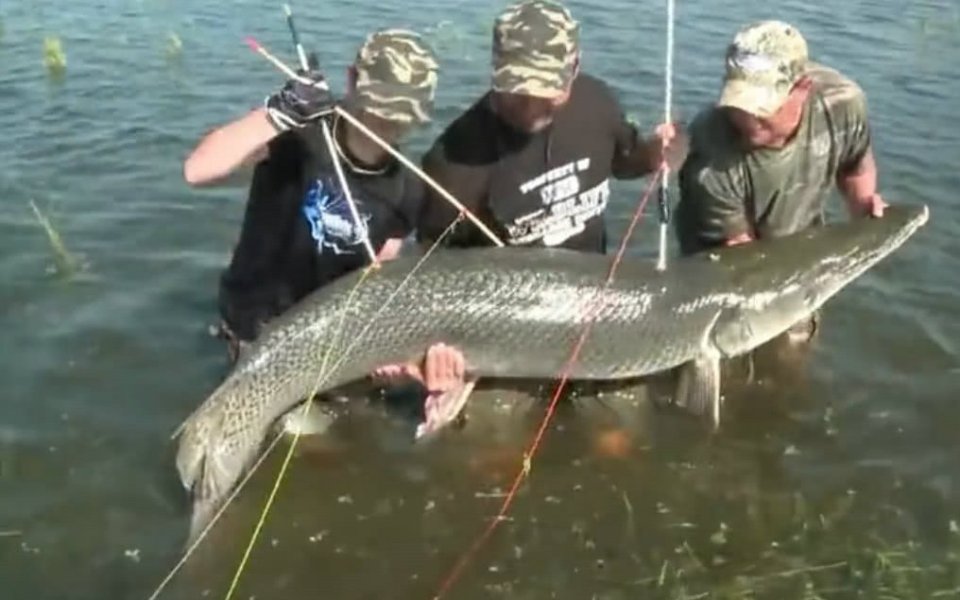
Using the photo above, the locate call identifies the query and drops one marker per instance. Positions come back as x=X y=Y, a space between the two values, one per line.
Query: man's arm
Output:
x=635 y=156
x=242 y=142
x=857 y=172
x=859 y=184
x=712 y=209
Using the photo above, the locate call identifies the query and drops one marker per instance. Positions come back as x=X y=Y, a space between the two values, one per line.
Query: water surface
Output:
x=846 y=485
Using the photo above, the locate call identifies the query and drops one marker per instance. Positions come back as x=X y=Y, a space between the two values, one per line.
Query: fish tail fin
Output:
x=698 y=387
x=202 y=514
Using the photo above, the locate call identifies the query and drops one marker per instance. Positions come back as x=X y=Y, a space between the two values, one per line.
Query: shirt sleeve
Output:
x=630 y=154
x=855 y=133
x=712 y=206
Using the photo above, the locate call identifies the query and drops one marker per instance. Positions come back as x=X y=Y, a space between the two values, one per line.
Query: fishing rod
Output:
x=307 y=65
x=663 y=195
x=304 y=61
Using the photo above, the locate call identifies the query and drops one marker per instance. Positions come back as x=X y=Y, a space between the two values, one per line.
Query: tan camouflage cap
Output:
x=535 y=47
x=396 y=76
x=763 y=62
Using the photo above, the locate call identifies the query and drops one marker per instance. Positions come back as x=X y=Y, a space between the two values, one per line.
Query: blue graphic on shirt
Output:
x=331 y=222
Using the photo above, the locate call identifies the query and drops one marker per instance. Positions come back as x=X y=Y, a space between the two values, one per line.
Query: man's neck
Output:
x=361 y=151
x=794 y=128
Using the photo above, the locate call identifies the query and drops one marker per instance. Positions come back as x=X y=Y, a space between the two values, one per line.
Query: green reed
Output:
x=54 y=56
x=66 y=264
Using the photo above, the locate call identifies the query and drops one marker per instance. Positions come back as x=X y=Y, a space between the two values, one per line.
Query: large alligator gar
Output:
x=518 y=312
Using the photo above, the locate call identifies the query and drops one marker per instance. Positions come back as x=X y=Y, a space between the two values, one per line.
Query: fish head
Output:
x=778 y=282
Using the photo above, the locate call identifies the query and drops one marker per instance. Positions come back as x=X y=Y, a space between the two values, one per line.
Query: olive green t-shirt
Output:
x=727 y=190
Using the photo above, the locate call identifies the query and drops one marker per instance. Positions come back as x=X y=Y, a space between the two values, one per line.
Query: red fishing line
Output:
x=565 y=373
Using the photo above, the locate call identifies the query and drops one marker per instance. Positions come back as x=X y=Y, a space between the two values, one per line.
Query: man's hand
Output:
x=390 y=249
x=299 y=103
x=442 y=370
x=674 y=145
x=736 y=240
x=872 y=206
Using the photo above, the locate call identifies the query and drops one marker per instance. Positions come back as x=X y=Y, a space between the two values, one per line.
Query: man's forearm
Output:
x=642 y=160
x=225 y=149
x=859 y=184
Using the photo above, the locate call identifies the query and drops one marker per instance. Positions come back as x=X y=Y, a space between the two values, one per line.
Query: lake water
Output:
x=843 y=487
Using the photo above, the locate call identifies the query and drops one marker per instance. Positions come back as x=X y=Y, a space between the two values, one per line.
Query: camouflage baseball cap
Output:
x=763 y=62
x=535 y=47
x=396 y=76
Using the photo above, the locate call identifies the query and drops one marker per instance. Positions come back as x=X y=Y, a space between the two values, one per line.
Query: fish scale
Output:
x=518 y=312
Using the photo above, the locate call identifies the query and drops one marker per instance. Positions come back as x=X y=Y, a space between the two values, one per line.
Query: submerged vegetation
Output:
x=54 y=57
x=804 y=553
x=64 y=262
x=174 y=46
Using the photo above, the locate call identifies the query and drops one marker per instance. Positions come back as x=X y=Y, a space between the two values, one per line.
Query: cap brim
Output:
x=757 y=100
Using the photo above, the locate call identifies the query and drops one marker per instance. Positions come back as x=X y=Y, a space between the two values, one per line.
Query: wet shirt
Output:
x=298 y=231
x=726 y=191
x=549 y=188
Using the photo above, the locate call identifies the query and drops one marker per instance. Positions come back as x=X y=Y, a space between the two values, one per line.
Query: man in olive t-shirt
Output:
x=764 y=159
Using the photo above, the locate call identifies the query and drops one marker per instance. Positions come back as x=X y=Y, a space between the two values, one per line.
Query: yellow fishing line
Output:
x=320 y=378
x=296 y=436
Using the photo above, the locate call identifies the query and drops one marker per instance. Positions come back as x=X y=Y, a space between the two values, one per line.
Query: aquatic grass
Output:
x=54 y=56
x=174 y=47
x=888 y=571
x=792 y=546
x=66 y=264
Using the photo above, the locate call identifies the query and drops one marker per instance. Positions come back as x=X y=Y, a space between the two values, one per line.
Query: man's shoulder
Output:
x=594 y=94
x=588 y=83
x=464 y=139
x=838 y=91
x=713 y=140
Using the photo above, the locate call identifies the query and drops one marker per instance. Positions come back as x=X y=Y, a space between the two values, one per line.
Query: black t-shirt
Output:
x=298 y=232
x=548 y=188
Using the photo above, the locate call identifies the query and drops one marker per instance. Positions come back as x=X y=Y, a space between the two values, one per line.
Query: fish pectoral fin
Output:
x=698 y=387
x=308 y=418
x=441 y=409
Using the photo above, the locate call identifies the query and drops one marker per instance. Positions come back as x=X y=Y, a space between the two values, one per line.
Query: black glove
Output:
x=299 y=103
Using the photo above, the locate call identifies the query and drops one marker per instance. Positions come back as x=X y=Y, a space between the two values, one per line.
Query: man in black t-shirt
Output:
x=533 y=157
x=299 y=231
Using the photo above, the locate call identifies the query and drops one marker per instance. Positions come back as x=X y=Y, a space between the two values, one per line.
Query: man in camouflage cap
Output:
x=299 y=231
x=395 y=77
x=536 y=53
x=784 y=132
x=534 y=156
